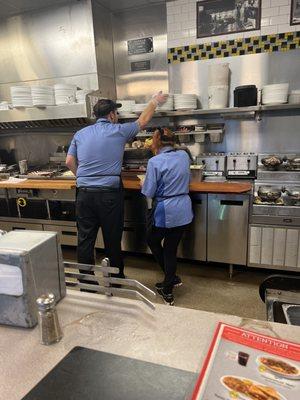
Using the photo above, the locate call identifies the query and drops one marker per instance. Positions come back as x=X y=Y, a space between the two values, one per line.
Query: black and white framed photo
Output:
x=295 y=12
x=222 y=17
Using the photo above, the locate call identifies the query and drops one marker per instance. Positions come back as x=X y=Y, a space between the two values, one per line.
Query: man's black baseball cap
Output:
x=104 y=107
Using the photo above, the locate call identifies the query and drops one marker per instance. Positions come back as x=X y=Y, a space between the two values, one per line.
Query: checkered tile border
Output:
x=238 y=47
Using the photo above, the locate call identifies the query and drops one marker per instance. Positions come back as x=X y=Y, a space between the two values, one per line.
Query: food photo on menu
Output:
x=245 y=365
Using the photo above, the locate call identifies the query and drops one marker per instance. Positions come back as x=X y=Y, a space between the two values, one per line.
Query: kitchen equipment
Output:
x=218 y=96
x=294 y=97
x=274 y=230
x=108 y=376
x=30 y=265
x=197 y=173
x=136 y=159
x=269 y=193
x=50 y=331
x=214 y=163
x=245 y=96
x=241 y=165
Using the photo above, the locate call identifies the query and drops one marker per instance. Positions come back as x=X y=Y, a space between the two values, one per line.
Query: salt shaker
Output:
x=50 y=331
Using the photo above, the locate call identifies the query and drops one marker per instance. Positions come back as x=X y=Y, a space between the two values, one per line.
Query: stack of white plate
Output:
x=21 y=96
x=127 y=106
x=168 y=105
x=139 y=108
x=65 y=94
x=275 y=94
x=4 y=105
x=81 y=95
x=42 y=96
x=185 y=101
x=294 y=97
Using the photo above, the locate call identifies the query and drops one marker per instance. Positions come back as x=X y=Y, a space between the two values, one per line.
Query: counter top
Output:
x=171 y=336
x=130 y=183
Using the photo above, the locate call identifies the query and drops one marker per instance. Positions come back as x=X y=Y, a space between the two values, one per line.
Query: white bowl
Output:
x=294 y=98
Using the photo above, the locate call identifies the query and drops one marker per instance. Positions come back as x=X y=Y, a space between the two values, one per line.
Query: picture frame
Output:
x=295 y=12
x=224 y=17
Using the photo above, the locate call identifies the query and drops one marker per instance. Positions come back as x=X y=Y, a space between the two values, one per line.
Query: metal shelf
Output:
x=223 y=112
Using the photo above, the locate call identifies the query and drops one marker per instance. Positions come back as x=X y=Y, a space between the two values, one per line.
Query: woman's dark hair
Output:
x=167 y=137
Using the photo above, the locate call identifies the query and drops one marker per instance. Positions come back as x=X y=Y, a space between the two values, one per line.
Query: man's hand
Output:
x=160 y=98
x=147 y=114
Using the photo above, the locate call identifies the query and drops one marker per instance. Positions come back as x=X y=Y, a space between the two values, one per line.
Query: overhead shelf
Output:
x=66 y=115
x=234 y=112
x=79 y=114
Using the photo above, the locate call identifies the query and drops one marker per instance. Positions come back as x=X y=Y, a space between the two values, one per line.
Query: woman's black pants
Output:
x=163 y=243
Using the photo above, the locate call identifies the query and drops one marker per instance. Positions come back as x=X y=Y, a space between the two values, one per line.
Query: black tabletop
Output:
x=86 y=374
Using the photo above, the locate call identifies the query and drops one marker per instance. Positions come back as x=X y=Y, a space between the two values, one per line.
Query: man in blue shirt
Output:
x=95 y=156
x=167 y=183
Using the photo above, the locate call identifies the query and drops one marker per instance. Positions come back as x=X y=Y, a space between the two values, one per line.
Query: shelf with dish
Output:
x=221 y=111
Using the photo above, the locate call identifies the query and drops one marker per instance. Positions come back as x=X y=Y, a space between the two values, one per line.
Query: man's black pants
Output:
x=100 y=209
x=165 y=254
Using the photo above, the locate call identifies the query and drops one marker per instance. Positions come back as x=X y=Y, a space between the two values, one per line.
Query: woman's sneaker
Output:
x=168 y=298
x=177 y=282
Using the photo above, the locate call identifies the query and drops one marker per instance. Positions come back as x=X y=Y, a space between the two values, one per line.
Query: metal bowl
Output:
x=269 y=193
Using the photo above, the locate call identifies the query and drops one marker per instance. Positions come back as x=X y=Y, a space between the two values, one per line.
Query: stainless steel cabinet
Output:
x=275 y=247
x=227 y=228
x=193 y=243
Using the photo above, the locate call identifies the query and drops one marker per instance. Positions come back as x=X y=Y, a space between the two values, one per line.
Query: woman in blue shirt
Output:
x=167 y=184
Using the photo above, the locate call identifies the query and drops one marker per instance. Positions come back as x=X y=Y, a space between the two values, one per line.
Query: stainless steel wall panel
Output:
x=102 y=22
x=277 y=132
x=35 y=148
x=46 y=44
x=150 y=21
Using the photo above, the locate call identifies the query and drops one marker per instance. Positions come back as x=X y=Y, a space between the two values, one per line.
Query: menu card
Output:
x=241 y=364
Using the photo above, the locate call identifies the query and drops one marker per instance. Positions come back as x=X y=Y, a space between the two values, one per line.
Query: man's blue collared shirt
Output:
x=99 y=150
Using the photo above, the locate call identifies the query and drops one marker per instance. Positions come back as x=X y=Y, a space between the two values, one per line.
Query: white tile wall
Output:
x=181 y=19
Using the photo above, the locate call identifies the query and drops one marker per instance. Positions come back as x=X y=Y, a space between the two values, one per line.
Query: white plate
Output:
x=276 y=86
x=244 y=396
x=293 y=377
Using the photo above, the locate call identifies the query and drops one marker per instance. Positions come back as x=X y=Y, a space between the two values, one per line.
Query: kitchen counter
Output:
x=130 y=183
x=170 y=336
